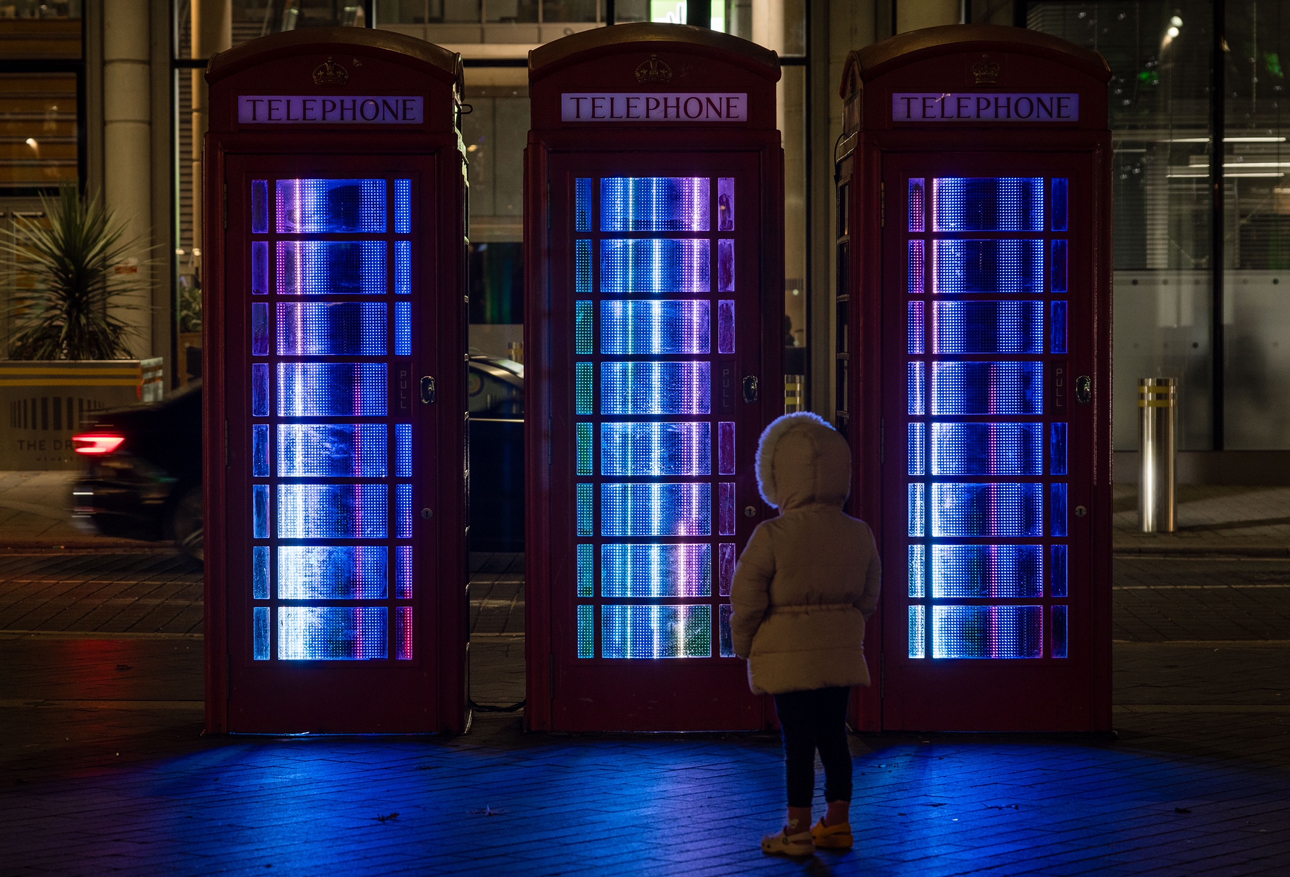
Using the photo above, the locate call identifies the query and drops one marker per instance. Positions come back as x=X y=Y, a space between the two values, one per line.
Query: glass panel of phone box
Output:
x=656 y=298
x=331 y=515
x=987 y=464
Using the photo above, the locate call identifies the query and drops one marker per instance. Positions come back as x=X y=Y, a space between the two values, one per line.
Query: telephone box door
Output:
x=987 y=312
x=655 y=275
x=332 y=622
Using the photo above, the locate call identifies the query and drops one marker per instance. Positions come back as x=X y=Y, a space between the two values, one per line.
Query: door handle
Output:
x=427 y=390
x=1083 y=389
x=750 y=388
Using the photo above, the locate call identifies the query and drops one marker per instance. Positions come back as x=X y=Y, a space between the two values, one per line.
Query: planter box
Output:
x=48 y=402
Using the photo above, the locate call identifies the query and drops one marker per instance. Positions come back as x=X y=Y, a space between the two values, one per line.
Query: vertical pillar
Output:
x=212 y=32
x=847 y=25
x=127 y=147
x=917 y=14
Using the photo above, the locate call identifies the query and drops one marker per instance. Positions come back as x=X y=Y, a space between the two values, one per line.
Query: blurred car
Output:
x=143 y=475
x=495 y=398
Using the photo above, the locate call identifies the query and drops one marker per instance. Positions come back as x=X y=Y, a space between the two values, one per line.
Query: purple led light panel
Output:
x=634 y=388
x=988 y=204
x=326 y=389
x=332 y=572
x=988 y=632
x=332 y=633
x=629 y=631
x=653 y=571
x=341 y=328
x=331 y=268
x=656 y=509
x=313 y=206
x=333 y=511
x=636 y=328
x=654 y=204
x=655 y=449
x=332 y=450
x=655 y=265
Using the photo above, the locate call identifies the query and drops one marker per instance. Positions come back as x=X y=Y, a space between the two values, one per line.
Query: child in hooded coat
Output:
x=803 y=588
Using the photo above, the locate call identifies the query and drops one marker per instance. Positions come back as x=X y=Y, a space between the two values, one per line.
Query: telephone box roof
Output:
x=867 y=64
x=393 y=47
x=554 y=56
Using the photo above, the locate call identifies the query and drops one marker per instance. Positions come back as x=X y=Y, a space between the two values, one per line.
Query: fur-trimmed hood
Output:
x=801 y=460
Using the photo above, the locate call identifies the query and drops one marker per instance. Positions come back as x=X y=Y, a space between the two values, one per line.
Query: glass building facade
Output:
x=1199 y=280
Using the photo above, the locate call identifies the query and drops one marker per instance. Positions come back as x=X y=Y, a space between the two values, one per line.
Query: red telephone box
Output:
x=974 y=379
x=654 y=274
x=335 y=333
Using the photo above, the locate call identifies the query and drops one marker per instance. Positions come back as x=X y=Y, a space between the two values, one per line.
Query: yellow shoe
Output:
x=832 y=837
x=784 y=844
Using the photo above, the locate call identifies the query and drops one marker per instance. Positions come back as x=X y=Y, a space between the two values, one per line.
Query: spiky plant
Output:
x=69 y=311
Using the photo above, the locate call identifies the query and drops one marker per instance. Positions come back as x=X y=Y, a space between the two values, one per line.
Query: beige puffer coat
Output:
x=810 y=577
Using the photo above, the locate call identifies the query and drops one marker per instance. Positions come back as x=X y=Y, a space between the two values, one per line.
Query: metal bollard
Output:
x=794 y=393
x=1157 y=426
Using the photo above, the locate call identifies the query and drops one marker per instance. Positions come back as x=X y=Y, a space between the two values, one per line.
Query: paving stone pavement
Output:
x=103 y=768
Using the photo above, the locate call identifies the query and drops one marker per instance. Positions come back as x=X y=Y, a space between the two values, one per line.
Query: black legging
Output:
x=813 y=720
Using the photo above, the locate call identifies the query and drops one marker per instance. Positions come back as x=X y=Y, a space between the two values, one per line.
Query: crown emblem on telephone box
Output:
x=986 y=71
x=654 y=70
x=330 y=73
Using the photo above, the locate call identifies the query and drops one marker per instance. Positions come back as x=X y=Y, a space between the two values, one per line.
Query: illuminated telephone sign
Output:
x=654 y=281
x=973 y=376
x=334 y=334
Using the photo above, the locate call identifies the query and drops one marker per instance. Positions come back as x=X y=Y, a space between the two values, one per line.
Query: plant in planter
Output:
x=69 y=310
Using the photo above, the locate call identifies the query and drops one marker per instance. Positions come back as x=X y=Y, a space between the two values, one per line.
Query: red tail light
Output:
x=96 y=443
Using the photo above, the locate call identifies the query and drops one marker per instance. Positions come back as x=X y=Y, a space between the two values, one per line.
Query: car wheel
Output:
x=186 y=523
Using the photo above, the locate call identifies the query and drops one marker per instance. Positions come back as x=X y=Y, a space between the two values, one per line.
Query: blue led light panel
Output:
x=655 y=449
x=988 y=204
x=914 y=375
x=967 y=388
x=259 y=206
x=1007 y=267
x=970 y=510
x=917 y=632
x=654 y=509
x=987 y=448
x=259 y=267
x=333 y=572
x=333 y=511
x=628 y=631
x=988 y=327
x=916 y=508
x=586 y=631
x=313 y=206
x=338 y=328
x=917 y=571
x=403 y=328
x=654 y=204
x=260 y=328
x=636 y=328
x=727 y=635
x=655 y=266
x=672 y=570
x=997 y=572
x=259 y=389
x=331 y=268
x=332 y=389
x=634 y=388
x=402 y=206
x=332 y=633
x=582 y=204
x=332 y=450
x=988 y=632
x=260 y=633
